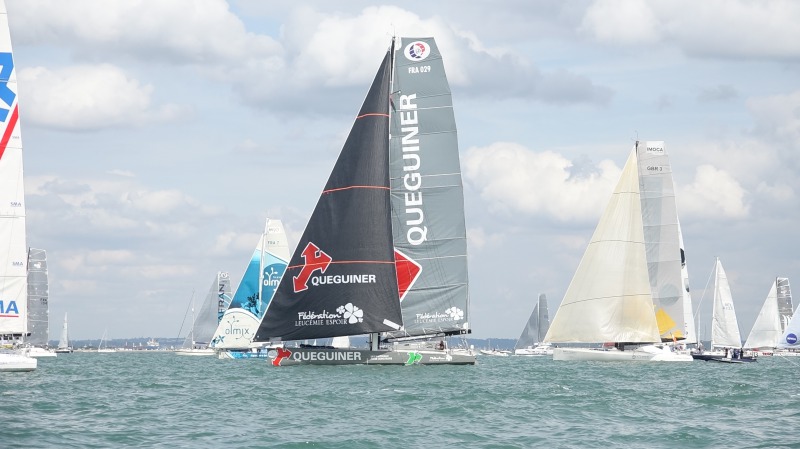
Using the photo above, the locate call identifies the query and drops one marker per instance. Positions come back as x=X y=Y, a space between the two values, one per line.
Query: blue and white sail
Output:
x=263 y=273
x=13 y=246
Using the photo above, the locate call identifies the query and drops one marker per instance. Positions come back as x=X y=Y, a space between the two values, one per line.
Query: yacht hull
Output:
x=333 y=356
x=640 y=354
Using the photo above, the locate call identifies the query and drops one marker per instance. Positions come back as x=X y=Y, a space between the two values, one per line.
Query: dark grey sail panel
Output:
x=427 y=191
x=38 y=297
x=341 y=279
x=785 y=306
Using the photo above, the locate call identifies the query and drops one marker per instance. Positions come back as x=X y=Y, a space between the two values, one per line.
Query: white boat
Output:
x=103 y=345
x=726 y=341
x=495 y=352
x=384 y=252
x=529 y=342
x=610 y=299
x=63 y=342
x=772 y=319
x=205 y=322
x=233 y=337
x=13 y=257
x=789 y=342
x=39 y=352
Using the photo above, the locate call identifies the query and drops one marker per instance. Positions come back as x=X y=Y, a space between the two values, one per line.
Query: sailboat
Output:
x=384 y=252
x=530 y=341
x=726 y=341
x=63 y=342
x=13 y=256
x=789 y=343
x=772 y=319
x=103 y=345
x=610 y=299
x=204 y=323
x=233 y=338
x=38 y=309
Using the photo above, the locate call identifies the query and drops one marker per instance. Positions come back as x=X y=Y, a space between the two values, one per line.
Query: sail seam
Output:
x=354 y=187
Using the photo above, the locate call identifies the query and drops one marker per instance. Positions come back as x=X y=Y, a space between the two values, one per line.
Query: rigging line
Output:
x=185 y=313
x=705 y=289
x=787 y=360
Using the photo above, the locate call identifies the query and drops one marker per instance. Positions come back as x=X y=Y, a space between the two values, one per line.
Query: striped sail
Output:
x=38 y=295
x=236 y=328
x=427 y=194
x=13 y=247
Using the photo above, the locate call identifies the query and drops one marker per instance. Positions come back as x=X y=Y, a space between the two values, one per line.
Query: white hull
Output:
x=648 y=353
x=196 y=352
x=106 y=350
x=495 y=353
x=538 y=351
x=40 y=352
x=10 y=362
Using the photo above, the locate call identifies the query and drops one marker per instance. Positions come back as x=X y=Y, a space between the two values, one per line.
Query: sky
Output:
x=159 y=135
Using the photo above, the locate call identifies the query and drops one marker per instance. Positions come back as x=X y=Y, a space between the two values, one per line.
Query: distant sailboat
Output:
x=14 y=254
x=38 y=309
x=63 y=342
x=103 y=345
x=204 y=323
x=611 y=296
x=772 y=319
x=726 y=341
x=530 y=342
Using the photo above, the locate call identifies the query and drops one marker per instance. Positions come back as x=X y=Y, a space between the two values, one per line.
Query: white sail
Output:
x=661 y=236
x=14 y=253
x=790 y=337
x=340 y=342
x=688 y=314
x=724 y=326
x=63 y=342
x=767 y=328
x=609 y=298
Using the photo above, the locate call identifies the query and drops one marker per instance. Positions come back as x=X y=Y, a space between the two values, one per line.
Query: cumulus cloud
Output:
x=712 y=28
x=713 y=193
x=315 y=51
x=88 y=97
x=514 y=179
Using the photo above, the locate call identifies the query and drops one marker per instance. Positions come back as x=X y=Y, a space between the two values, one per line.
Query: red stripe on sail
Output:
x=9 y=130
x=354 y=187
x=379 y=114
x=342 y=262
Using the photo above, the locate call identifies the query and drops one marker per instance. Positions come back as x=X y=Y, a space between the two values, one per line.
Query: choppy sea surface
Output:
x=162 y=400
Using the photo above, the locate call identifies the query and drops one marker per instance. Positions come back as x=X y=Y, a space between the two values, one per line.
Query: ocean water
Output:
x=161 y=400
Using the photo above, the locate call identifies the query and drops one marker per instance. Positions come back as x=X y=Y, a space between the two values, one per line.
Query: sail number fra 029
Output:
x=419 y=69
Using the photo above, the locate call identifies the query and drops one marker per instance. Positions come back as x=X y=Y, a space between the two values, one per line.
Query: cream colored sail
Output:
x=767 y=329
x=609 y=298
x=724 y=326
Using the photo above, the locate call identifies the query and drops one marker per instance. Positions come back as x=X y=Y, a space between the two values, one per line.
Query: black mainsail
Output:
x=341 y=279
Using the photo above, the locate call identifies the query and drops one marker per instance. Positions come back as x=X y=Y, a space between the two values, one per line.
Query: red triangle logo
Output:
x=407 y=272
